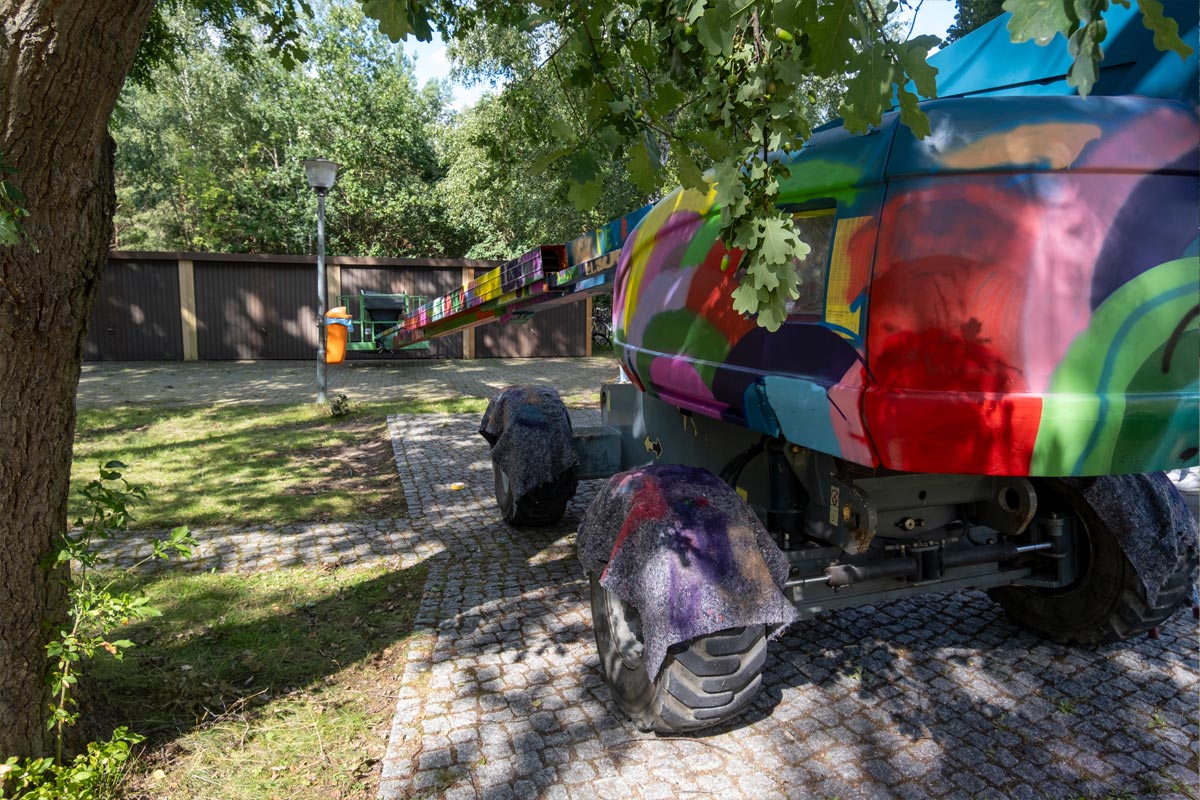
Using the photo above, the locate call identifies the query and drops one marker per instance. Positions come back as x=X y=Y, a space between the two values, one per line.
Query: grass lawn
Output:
x=265 y=685
x=242 y=465
x=257 y=685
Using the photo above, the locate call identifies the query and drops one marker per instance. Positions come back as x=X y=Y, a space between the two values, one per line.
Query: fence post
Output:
x=587 y=329
x=187 y=309
x=469 y=334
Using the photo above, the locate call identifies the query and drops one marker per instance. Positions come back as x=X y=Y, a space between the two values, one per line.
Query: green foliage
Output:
x=1166 y=30
x=1081 y=24
x=507 y=194
x=234 y=27
x=94 y=610
x=91 y=775
x=340 y=407
x=209 y=159
x=970 y=15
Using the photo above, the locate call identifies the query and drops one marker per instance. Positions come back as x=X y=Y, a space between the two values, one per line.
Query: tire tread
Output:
x=703 y=682
x=1119 y=615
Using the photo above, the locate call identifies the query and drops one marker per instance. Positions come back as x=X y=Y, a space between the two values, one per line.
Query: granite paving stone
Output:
x=935 y=697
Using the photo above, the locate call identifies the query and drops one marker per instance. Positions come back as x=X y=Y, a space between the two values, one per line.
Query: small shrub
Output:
x=93 y=612
x=340 y=407
x=90 y=775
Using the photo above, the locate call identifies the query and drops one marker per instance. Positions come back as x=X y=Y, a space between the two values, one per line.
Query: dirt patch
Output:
x=364 y=468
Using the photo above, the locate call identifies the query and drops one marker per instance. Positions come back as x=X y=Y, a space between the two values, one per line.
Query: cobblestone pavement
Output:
x=215 y=382
x=937 y=697
x=263 y=547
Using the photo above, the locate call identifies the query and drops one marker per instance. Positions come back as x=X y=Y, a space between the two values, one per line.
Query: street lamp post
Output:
x=321 y=175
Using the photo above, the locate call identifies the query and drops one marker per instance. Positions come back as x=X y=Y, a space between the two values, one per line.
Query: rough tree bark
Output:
x=62 y=64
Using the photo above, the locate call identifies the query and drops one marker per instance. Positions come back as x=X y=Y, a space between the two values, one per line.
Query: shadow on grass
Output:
x=230 y=644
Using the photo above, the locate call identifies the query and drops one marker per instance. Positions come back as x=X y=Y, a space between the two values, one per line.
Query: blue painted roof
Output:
x=986 y=62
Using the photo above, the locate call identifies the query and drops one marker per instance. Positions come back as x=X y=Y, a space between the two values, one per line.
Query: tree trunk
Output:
x=62 y=64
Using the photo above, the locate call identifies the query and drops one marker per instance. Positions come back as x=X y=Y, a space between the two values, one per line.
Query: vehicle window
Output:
x=815 y=228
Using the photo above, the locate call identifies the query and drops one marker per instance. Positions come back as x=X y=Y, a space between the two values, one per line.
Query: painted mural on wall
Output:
x=1017 y=294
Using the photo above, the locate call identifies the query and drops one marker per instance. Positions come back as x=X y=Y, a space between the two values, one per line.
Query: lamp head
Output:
x=321 y=173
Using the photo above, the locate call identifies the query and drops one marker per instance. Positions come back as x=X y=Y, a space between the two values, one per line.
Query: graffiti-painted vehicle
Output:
x=997 y=330
x=994 y=355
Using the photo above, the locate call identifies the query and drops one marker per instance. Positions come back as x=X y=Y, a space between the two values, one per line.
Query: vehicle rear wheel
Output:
x=1107 y=603
x=542 y=505
x=702 y=682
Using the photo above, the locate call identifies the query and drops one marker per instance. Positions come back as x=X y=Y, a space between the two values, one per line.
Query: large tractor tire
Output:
x=702 y=682
x=1107 y=602
x=542 y=505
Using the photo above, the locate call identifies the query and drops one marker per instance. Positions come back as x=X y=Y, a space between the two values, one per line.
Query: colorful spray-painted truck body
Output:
x=995 y=353
x=1009 y=296
x=996 y=339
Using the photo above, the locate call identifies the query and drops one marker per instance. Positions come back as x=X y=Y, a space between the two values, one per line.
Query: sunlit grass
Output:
x=243 y=465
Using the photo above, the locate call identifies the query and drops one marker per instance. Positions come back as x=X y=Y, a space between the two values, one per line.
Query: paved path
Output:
x=216 y=382
x=939 y=697
x=263 y=547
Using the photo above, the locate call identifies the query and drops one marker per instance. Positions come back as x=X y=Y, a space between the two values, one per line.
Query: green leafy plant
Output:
x=340 y=407
x=90 y=775
x=94 y=611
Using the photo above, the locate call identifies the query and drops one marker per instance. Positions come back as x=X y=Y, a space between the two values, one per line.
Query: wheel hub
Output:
x=626 y=630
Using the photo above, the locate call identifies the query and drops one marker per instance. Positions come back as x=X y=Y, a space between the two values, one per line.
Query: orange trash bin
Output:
x=337 y=333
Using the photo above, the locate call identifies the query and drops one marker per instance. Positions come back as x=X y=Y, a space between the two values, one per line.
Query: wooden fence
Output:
x=210 y=306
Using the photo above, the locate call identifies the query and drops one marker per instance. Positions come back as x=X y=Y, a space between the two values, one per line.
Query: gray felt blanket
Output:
x=679 y=545
x=1151 y=520
x=530 y=434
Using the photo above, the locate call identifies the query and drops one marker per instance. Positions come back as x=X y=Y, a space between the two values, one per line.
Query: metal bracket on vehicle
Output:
x=599 y=451
x=1013 y=504
x=842 y=512
x=1055 y=533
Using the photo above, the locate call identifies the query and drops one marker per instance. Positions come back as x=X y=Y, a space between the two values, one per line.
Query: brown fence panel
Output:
x=427 y=282
x=264 y=307
x=556 y=333
x=256 y=310
x=136 y=316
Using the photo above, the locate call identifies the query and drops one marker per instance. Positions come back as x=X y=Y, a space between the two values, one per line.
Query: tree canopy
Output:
x=210 y=150
x=970 y=15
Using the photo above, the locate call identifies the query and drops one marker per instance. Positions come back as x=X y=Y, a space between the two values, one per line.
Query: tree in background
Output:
x=210 y=149
x=491 y=195
x=971 y=14
x=203 y=151
x=502 y=184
